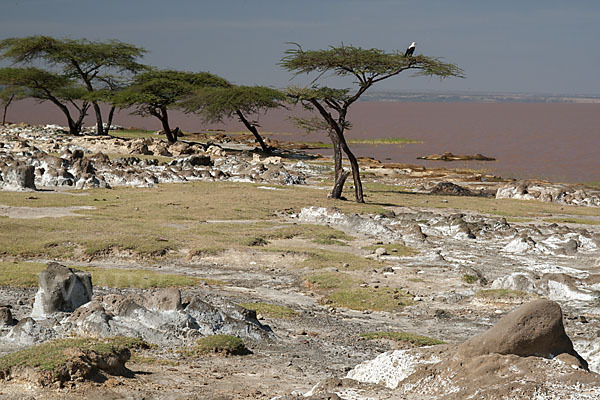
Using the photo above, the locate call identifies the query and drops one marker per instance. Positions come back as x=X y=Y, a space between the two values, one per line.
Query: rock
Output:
x=18 y=177
x=163 y=300
x=6 y=318
x=548 y=192
x=61 y=289
x=456 y=157
x=197 y=160
x=533 y=329
x=449 y=188
x=380 y=251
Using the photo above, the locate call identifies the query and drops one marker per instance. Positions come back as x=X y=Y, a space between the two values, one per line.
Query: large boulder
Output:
x=6 y=318
x=509 y=361
x=534 y=329
x=61 y=289
x=19 y=177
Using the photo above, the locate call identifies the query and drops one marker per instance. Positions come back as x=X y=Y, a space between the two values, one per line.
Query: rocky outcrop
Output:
x=534 y=329
x=76 y=167
x=159 y=317
x=61 y=289
x=17 y=176
x=549 y=192
x=526 y=353
x=6 y=317
x=456 y=157
x=449 y=188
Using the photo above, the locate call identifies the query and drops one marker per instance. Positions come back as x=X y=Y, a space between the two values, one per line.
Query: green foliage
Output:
x=42 y=85
x=416 y=340
x=470 y=279
x=367 y=64
x=216 y=104
x=52 y=355
x=223 y=345
x=271 y=310
x=154 y=90
x=90 y=63
x=74 y=56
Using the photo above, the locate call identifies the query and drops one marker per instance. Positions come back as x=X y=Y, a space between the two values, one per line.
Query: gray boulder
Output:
x=6 y=318
x=533 y=329
x=61 y=289
x=18 y=177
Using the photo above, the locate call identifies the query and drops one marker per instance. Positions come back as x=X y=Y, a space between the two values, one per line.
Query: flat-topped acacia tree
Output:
x=87 y=61
x=219 y=103
x=367 y=67
x=47 y=86
x=154 y=92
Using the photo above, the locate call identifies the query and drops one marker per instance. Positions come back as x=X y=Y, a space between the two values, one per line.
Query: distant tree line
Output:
x=77 y=75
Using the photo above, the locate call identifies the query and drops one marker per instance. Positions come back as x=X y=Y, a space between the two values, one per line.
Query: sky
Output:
x=525 y=46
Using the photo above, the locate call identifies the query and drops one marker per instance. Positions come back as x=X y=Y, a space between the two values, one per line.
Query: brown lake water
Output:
x=555 y=141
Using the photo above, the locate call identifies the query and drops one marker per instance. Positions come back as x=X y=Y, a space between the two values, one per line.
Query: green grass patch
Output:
x=24 y=274
x=271 y=310
x=315 y=259
x=470 y=279
x=158 y=222
x=340 y=290
x=395 y=249
x=572 y=221
x=51 y=355
x=320 y=234
x=394 y=140
x=416 y=340
x=592 y=185
x=499 y=294
x=223 y=345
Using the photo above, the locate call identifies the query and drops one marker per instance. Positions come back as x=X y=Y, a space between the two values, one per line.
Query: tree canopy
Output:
x=219 y=103
x=154 y=92
x=47 y=86
x=89 y=62
x=367 y=67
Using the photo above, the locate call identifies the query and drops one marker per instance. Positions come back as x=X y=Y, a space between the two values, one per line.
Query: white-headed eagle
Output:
x=410 y=50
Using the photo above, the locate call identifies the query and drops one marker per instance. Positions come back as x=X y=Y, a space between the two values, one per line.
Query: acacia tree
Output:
x=47 y=86
x=8 y=95
x=367 y=67
x=216 y=104
x=154 y=92
x=87 y=61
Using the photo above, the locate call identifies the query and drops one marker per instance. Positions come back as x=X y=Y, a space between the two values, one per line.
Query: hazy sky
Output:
x=539 y=46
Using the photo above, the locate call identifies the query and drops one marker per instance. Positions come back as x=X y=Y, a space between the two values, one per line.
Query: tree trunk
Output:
x=254 y=131
x=12 y=97
x=338 y=187
x=164 y=119
x=358 y=192
x=99 y=126
x=82 y=113
x=111 y=113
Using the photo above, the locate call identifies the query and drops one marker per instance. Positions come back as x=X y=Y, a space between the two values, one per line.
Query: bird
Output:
x=410 y=50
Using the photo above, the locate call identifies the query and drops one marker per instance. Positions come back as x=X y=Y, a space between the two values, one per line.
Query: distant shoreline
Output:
x=553 y=141
x=467 y=97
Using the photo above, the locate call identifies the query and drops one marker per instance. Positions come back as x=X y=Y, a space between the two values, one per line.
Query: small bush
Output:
x=470 y=279
x=223 y=345
x=416 y=340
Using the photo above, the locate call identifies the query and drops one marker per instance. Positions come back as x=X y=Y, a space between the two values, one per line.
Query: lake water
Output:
x=554 y=141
